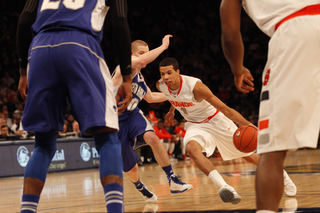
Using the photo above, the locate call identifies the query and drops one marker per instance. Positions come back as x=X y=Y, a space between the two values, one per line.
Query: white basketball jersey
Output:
x=267 y=13
x=184 y=101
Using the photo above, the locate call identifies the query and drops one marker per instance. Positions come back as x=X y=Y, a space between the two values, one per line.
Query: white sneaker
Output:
x=289 y=187
x=177 y=186
x=148 y=196
x=228 y=194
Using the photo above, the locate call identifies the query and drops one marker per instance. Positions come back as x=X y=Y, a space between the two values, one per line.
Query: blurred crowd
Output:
x=195 y=27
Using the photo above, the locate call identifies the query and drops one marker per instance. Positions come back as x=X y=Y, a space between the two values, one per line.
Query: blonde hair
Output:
x=135 y=44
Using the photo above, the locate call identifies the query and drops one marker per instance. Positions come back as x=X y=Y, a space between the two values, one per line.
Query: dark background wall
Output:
x=195 y=27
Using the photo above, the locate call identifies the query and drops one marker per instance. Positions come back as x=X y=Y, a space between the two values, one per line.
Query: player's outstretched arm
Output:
x=201 y=91
x=155 y=97
x=232 y=44
x=148 y=57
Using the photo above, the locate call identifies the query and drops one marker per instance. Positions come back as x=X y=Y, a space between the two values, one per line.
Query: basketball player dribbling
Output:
x=210 y=124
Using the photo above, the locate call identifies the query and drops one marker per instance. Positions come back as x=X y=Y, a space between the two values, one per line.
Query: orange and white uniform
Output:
x=205 y=124
x=289 y=116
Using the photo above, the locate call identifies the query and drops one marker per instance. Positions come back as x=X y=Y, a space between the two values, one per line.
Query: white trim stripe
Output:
x=114 y=201
x=29 y=209
x=66 y=43
x=113 y=192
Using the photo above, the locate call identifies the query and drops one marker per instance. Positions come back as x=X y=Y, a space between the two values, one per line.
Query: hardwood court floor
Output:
x=80 y=191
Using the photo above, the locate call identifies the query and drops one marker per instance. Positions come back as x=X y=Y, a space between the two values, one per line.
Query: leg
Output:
x=289 y=187
x=36 y=170
x=176 y=186
x=226 y=192
x=109 y=148
x=134 y=176
x=158 y=149
x=269 y=180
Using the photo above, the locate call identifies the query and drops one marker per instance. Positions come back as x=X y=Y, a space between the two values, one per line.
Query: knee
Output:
x=190 y=150
x=152 y=140
x=134 y=169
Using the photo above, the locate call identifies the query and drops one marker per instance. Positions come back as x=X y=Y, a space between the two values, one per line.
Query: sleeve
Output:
x=162 y=134
x=176 y=130
x=24 y=33
x=121 y=34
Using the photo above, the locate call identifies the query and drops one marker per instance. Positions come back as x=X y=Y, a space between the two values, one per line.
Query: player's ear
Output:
x=178 y=71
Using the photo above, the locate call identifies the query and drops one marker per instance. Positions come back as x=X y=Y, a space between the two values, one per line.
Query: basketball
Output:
x=245 y=139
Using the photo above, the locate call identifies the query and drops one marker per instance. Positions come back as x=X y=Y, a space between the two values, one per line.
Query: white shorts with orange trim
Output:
x=216 y=133
x=289 y=116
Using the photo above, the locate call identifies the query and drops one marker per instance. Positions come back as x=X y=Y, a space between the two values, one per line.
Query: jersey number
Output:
x=133 y=104
x=70 y=4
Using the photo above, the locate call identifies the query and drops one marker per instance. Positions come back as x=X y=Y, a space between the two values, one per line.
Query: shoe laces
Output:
x=176 y=179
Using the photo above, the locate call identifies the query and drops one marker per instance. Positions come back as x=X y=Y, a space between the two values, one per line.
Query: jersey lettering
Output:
x=70 y=4
x=182 y=104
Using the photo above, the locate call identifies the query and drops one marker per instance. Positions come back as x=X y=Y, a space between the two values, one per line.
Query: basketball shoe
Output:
x=177 y=186
x=228 y=194
x=289 y=187
x=148 y=196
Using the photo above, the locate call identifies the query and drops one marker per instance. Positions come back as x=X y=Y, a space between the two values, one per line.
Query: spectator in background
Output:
x=7 y=118
x=71 y=125
x=8 y=81
x=162 y=133
x=17 y=127
x=4 y=132
x=18 y=111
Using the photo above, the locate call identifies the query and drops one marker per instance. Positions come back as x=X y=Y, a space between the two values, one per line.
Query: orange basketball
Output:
x=245 y=139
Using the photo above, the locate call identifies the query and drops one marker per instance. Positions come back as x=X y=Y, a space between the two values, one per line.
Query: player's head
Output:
x=170 y=73
x=139 y=47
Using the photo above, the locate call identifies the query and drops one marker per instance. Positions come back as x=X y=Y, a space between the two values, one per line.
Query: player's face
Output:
x=170 y=77
x=140 y=50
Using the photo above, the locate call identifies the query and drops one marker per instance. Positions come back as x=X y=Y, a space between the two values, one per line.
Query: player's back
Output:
x=84 y=15
x=267 y=13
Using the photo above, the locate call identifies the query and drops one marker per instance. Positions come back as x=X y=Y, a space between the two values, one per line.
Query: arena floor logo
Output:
x=23 y=156
x=85 y=151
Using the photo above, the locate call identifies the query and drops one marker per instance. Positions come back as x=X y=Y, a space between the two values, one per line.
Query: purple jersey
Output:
x=83 y=15
x=139 y=90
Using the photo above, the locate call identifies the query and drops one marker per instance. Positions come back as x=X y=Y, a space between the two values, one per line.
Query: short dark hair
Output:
x=4 y=126
x=169 y=61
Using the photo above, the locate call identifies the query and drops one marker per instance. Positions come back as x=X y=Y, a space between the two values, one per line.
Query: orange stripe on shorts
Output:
x=263 y=124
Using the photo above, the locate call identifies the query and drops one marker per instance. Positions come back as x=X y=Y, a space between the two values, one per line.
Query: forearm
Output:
x=233 y=50
x=236 y=117
x=156 y=97
x=152 y=55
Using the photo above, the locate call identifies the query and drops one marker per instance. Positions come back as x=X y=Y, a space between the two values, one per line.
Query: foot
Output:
x=148 y=196
x=176 y=186
x=228 y=194
x=289 y=187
